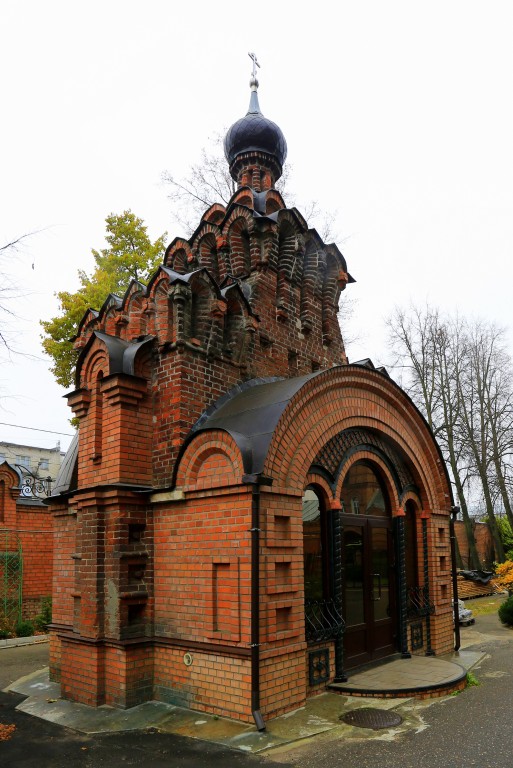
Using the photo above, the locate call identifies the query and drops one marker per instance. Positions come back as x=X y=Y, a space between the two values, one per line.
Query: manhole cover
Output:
x=368 y=717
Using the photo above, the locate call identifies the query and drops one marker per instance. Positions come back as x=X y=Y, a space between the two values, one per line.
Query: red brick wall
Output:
x=442 y=637
x=202 y=547
x=32 y=523
x=35 y=532
x=65 y=523
x=484 y=544
x=283 y=680
x=211 y=683
x=82 y=672
x=128 y=675
x=200 y=598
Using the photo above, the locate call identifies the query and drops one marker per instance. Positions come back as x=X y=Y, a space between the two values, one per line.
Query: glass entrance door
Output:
x=382 y=628
x=367 y=562
x=355 y=609
x=368 y=595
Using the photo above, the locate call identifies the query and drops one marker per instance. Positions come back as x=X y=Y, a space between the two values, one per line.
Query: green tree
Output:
x=130 y=255
x=506 y=535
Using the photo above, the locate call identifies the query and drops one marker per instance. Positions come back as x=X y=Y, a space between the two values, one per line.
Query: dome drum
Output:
x=255 y=169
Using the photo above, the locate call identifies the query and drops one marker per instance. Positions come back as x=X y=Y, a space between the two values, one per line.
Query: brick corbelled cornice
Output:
x=122 y=389
x=79 y=401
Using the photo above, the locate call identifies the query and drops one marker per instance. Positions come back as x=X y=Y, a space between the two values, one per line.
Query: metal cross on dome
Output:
x=253 y=58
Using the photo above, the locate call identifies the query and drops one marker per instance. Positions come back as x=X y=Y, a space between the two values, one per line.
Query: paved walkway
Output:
x=407 y=676
x=320 y=714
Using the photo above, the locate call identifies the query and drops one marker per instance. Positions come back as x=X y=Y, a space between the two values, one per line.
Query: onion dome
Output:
x=255 y=147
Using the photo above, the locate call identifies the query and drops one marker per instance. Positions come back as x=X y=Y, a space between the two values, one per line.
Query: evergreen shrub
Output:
x=45 y=617
x=24 y=629
x=506 y=612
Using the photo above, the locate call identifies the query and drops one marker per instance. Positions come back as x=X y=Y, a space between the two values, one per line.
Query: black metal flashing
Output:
x=33 y=501
x=122 y=354
x=66 y=479
x=250 y=413
x=93 y=313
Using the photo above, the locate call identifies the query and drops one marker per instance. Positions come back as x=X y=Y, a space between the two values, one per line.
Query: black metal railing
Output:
x=323 y=620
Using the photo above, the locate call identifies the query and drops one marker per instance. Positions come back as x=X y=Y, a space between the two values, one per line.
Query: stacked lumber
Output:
x=468 y=589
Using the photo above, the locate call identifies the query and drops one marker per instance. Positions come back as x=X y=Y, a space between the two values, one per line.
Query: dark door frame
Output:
x=373 y=638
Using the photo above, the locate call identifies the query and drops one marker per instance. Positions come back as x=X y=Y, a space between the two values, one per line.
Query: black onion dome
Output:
x=255 y=133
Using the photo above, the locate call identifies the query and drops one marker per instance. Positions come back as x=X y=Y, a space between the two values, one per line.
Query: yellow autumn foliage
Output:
x=504 y=575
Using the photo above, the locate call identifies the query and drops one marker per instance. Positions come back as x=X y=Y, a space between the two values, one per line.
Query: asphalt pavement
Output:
x=37 y=743
x=21 y=661
x=471 y=729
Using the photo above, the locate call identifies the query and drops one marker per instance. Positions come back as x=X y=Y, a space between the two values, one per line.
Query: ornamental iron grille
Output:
x=11 y=577
x=319 y=666
x=323 y=620
x=419 y=603
x=417 y=636
x=332 y=455
x=32 y=486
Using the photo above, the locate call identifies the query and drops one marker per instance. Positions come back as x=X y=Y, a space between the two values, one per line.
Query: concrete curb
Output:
x=320 y=715
x=15 y=642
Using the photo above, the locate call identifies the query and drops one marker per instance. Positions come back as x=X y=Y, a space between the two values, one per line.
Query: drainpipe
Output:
x=456 y=615
x=255 y=600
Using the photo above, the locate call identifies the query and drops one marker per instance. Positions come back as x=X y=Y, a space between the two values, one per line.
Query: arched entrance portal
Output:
x=368 y=583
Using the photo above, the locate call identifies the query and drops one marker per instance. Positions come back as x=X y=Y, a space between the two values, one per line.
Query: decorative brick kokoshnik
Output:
x=219 y=391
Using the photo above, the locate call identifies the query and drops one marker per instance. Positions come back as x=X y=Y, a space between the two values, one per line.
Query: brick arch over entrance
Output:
x=350 y=398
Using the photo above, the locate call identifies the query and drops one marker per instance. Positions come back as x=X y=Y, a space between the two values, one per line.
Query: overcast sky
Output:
x=399 y=115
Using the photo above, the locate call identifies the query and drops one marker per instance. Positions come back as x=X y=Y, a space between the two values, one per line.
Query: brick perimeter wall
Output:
x=484 y=544
x=33 y=524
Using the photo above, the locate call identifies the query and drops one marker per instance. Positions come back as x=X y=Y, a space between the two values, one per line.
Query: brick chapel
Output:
x=246 y=517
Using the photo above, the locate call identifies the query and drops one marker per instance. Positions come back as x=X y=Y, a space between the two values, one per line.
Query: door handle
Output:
x=378 y=576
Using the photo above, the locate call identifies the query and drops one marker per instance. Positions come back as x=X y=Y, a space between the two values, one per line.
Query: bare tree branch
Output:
x=208 y=181
x=9 y=291
x=14 y=245
x=429 y=347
